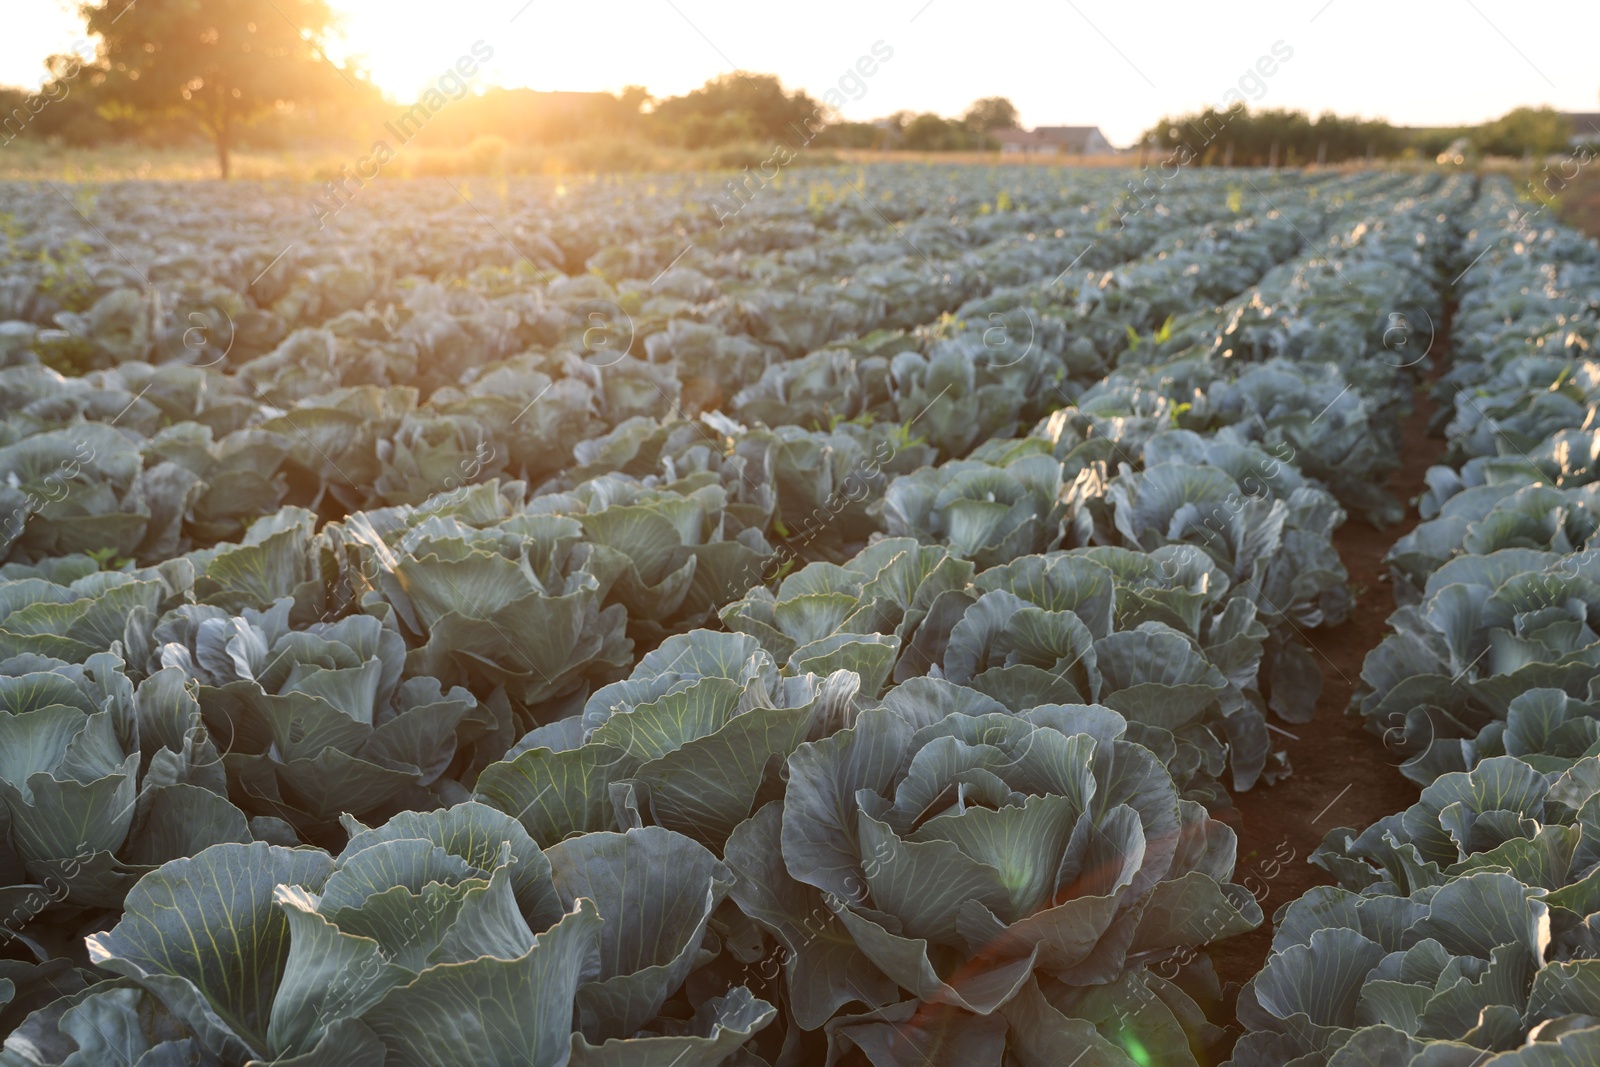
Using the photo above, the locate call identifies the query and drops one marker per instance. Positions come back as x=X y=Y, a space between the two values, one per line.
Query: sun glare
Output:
x=38 y=29
x=404 y=46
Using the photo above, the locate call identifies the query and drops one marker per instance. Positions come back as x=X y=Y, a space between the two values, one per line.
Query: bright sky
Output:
x=1118 y=64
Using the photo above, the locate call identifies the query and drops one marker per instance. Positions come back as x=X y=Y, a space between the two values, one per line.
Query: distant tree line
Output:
x=251 y=73
x=731 y=109
x=927 y=132
x=1241 y=137
x=96 y=108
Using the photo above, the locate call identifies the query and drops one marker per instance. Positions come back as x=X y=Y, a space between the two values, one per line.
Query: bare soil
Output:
x=1343 y=775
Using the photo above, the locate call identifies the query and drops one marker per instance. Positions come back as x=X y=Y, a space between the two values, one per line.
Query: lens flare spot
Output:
x=1136 y=1050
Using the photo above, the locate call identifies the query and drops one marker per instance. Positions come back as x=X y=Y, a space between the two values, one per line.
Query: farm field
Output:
x=890 y=614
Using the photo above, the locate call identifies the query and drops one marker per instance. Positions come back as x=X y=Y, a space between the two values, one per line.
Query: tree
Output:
x=226 y=63
x=990 y=113
x=1254 y=138
x=64 y=107
x=1525 y=131
x=634 y=99
x=736 y=107
x=930 y=133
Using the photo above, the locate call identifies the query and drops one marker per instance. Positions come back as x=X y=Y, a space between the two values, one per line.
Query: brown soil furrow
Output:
x=1343 y=775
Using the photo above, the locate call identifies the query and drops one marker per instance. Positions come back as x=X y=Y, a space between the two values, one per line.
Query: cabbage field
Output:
x=526 y=623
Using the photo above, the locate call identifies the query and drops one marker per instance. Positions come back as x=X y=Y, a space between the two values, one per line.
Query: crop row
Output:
x=1461 y=930
x=937 y=793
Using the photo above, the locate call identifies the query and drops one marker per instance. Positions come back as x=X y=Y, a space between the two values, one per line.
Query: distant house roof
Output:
x=1585 y=126
x=1017 y=137
x=1071 y=136
x=1068 y=138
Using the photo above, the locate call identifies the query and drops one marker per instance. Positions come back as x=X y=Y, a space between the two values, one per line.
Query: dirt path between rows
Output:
x=1343 y=776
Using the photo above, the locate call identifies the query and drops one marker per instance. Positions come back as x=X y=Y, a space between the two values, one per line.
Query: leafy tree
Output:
x=226 y=63
x=1247 y=138
x=63 y=108
x=991 y=113
x=734 y=107
x=931 y=133
x=1525 y=131
x=853 y=135
x=634 y=98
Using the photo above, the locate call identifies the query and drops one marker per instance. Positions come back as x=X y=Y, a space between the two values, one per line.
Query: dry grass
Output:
x=492 y=156
x=994 y=158
x=34 y=161
x=28 y=161
x=31 y=161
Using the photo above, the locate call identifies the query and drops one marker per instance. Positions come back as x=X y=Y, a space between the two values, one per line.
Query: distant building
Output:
x=1054 y=141
x=1585 y=127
